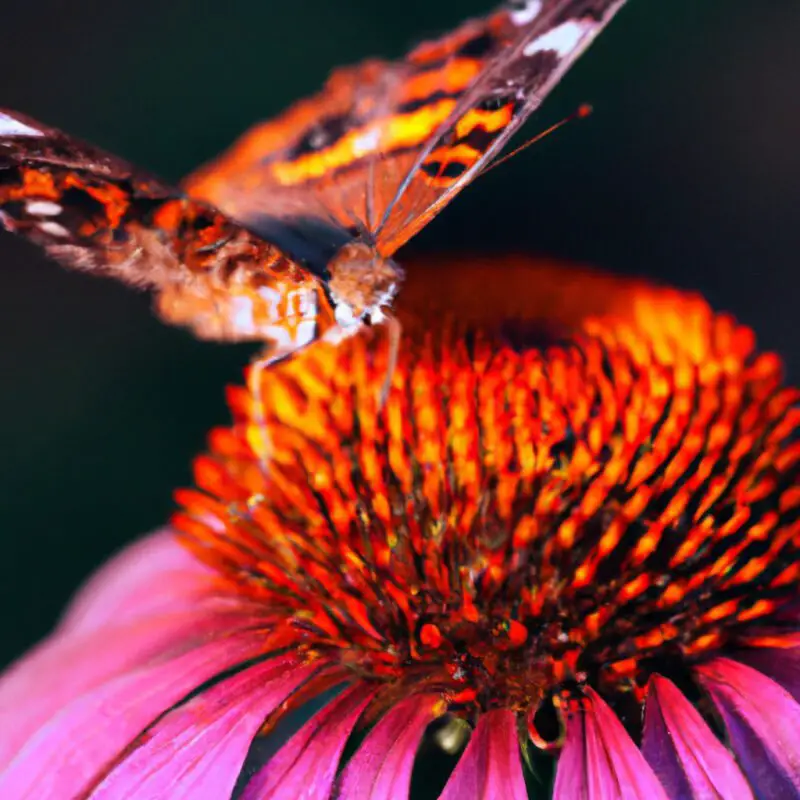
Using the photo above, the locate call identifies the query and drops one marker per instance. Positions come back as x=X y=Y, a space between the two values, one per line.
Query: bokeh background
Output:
x=688 y=172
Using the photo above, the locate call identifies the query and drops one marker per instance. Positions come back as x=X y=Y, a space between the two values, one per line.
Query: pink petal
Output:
x=152 y=574
x=64 y=755
x=763 y=724
x=783 y=666
x=144 y=602
x=305 y=767
x=600 y=762
x=381 y=768
x=198 y=749
x=490 y=767
x=683 y=752
x=63 y=668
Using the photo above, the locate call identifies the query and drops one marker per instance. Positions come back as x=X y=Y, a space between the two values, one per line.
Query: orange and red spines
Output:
x=590 y=433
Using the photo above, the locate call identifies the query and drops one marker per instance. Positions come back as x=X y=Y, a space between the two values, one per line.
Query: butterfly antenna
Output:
x=581 y=112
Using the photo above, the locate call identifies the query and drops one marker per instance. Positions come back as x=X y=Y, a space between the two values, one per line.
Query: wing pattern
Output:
x=92 y=211
x=384 y=146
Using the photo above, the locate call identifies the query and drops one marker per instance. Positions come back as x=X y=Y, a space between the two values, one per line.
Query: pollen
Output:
x=517 y=518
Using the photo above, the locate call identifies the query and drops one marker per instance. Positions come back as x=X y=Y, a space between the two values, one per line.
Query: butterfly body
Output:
x=362 y=283
x=292 y=232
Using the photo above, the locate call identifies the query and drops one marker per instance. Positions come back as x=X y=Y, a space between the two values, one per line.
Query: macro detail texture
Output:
x=561 y=559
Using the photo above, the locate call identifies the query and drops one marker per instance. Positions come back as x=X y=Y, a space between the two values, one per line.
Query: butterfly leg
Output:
x=255 y=382
x=395 y=331
x=268 y=359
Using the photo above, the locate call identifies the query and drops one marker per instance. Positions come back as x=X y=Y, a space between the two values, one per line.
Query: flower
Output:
x=578 y=507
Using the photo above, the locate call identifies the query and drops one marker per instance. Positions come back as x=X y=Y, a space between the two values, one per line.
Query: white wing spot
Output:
x=367 y=142
x=242 y=313
x=563 y=39
x=306 y=333
x=43 y=208
x=527 y=13
x=54 y=229
x=280 y=339
x=13 y=127
x=271 y=298
x=307 y=303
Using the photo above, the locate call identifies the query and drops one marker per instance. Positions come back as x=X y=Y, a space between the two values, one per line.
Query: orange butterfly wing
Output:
x=385 y=146
x=332 y=188
x=94 y=212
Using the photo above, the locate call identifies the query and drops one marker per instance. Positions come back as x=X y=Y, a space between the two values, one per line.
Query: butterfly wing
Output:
x=528 y=47
x=304 y=175
x=385 y=146
x=94 y=212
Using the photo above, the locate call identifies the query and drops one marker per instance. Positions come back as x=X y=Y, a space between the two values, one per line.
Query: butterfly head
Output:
x=362 y=282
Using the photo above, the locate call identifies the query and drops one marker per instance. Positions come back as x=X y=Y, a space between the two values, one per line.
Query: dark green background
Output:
x=689 y=172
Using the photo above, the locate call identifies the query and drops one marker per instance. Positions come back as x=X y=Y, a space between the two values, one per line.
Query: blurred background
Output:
x=688 y=172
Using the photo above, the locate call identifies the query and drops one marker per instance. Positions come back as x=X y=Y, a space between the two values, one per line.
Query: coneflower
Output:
x=562 y=559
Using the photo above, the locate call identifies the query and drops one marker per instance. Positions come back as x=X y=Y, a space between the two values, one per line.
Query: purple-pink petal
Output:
x=782 y=665
x=763 y=724
x=146 y=602
x=381 y=768
x=197 y=750
x=305 y=767
x=65 y=667
x=490 y=767
x=685 y=755
x=122 y=592
x=152 y=575
x=63 y=756
x=599 y=761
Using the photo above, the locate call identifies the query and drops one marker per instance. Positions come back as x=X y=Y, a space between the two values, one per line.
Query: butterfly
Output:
x=290 y=235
